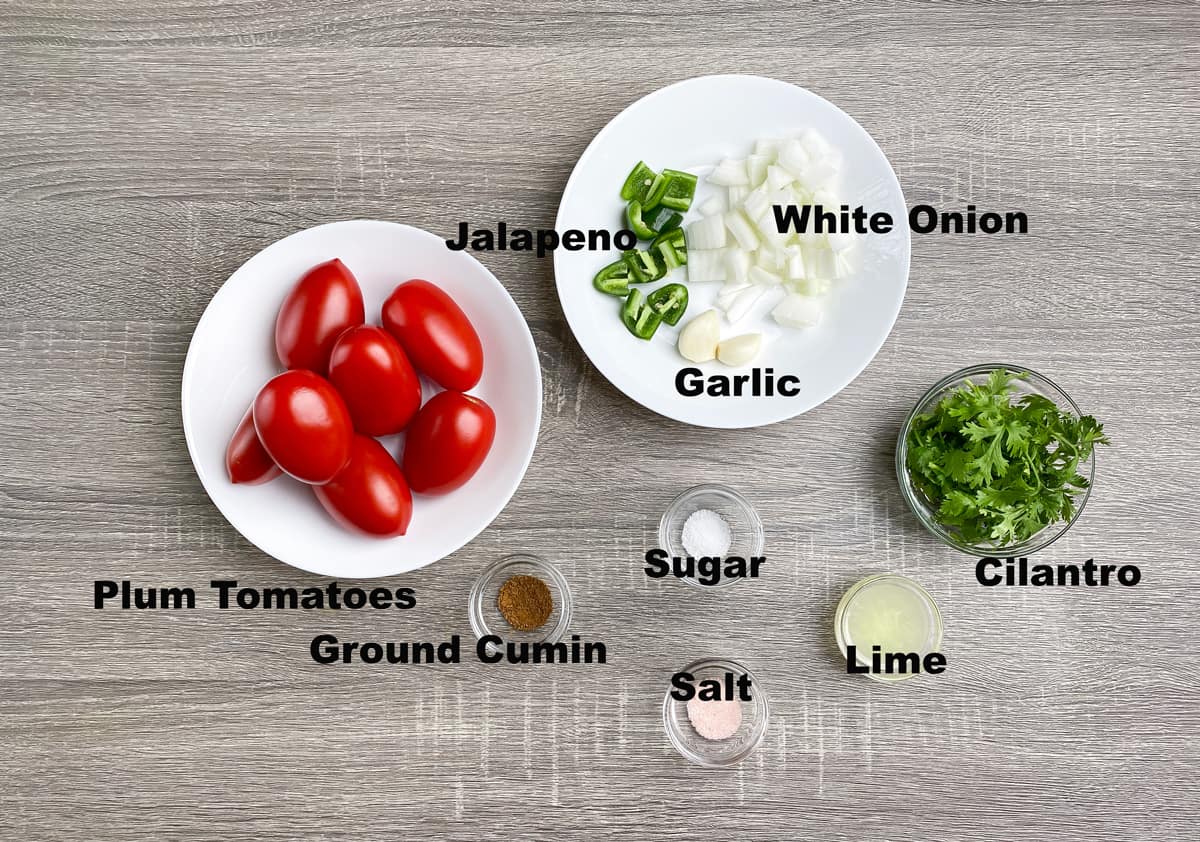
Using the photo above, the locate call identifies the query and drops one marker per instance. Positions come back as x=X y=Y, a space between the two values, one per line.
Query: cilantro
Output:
x=998 y=469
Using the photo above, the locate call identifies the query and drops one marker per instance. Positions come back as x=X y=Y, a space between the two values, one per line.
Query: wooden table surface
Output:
x=149 y=148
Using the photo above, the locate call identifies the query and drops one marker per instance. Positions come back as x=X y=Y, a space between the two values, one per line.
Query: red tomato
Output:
x=320 y=306
x=369 y=494
x=304 y=425
x=246 y=460
x=435 y=333
x=375 y=378
x=447 y=442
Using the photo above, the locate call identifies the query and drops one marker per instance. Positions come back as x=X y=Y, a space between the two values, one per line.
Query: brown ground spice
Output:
x=525 y=602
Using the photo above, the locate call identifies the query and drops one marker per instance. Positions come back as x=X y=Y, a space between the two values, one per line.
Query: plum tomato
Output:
x=304 y=425
x=246 y=460
x=447 y=441
x=321 y=305
x=435 y=333
x=369 y=494
x=371 y=373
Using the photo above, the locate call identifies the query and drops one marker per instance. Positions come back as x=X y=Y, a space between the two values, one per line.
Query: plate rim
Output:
x=189 y=374
x=785 y=414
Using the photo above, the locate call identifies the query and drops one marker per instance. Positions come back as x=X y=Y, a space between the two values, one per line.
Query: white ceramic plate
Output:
x=690 y=126
x=232 y=354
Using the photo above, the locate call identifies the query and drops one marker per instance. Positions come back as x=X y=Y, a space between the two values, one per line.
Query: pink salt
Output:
x=715 y=719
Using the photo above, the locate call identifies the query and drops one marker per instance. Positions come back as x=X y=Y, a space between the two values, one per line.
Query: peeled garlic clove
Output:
x=698 y=340
x=740 y=349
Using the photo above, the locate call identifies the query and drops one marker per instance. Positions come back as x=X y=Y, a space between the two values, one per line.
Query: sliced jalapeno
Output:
x=637 y=273
x=679 y=190
x=631 y=307
x=671 y=247
x=633 y=212
x=638 y=182
x=654 y=195
x=670 y=302
x=647 y=323
x=641 y=319
x=662 y=219
x=643 y=266
x=613 y=279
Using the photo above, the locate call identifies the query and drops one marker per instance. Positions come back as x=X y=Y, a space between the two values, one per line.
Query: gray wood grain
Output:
x=150 y=148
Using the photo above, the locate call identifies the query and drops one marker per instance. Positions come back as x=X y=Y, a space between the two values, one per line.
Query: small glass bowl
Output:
x=717 y=753
x=744 y=524
x=485 y=614
x=926 y=511
x=841 y=630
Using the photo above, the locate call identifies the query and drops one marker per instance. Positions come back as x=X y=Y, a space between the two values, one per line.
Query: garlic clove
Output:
x=698 y=339
x=740 y=349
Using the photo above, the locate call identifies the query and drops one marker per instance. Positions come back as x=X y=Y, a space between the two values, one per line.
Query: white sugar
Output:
x=705 y=533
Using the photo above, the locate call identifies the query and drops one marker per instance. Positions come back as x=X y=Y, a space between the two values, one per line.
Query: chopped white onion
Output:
x=793 y=268
x=809 y=239
x=823 y=172
x=768 y=146
x=823 y=196
x=729 y=173
x=819 y=261
x=815 y=145
x=746 y=299
x=737 y=195
x=706 y=233
x=730 y=292
x=712 y=206
x=782 y=196
x=741 y=229
x=737 y=265
x=706 y=265
x=757 y=203
x=812 y=287
x=798 y=311
x=795 y=159
x=769 y=259
x=763 y=277
x=778 y=177
x=756 y=169
x=768 y=231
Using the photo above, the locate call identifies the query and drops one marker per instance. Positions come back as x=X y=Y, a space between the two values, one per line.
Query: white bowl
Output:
x=232 y=354
x=690 y=126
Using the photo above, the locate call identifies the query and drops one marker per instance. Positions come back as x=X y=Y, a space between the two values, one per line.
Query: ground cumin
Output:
x=525 y=602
